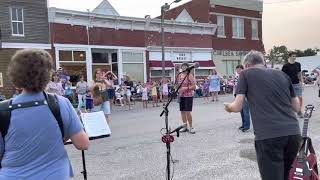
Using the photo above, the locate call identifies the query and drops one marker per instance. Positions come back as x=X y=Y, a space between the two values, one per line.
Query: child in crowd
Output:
x=145 y=96
x=205 y=90
x=119 y=97
x=89 y=101
x=154 y=94
x=68 y=92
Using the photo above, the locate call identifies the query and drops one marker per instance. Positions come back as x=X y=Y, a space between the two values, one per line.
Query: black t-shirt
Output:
x=292 y=71
x=269 y=93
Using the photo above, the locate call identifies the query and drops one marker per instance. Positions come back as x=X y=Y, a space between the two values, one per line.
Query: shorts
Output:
x=89 y=104
x=297 y=89
x=105 y=107
x=111 y=93
x=128 y=94
x=186 y=104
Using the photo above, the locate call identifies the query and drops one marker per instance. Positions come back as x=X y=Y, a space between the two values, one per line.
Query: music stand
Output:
x=96 y=127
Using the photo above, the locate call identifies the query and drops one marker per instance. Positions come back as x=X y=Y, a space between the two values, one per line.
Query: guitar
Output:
x=305 y=165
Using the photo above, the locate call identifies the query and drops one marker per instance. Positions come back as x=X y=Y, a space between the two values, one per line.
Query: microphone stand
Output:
x=167 y=138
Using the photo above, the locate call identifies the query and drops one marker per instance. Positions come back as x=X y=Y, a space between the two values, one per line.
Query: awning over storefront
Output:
x=208 y=63
x=159 y=64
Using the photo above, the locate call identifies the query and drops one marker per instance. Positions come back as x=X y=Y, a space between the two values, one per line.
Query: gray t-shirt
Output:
x=269 y=93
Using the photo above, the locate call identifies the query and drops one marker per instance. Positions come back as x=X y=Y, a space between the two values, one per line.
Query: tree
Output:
x=310 y=52
x=306 y=52
x=278 y=55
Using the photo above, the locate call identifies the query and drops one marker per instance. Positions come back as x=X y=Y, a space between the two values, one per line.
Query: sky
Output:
x=293 y=23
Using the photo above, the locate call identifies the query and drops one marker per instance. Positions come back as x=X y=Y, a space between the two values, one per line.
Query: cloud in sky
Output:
x=294 y=24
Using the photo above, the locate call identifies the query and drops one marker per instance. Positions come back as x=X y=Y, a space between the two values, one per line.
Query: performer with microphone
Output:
x=186 y=96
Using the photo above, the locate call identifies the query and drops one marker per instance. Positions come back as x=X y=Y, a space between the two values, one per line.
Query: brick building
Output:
x=239 y=28
x=215 y=33
x=23 y=24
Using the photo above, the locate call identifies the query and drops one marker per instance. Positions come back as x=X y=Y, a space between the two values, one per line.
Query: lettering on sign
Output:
x=182 y=57
x=229 y=53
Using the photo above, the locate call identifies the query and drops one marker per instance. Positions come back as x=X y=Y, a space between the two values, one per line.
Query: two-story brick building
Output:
x=239 y=28
x=23 y=24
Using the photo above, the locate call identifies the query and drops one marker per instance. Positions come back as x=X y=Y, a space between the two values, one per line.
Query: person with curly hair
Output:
x=33 y=147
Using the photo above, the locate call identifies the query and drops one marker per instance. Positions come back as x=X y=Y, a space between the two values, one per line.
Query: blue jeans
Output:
x=245 y=115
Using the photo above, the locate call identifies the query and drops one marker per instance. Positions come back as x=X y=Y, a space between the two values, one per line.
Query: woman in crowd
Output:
x=111 y=77
x=145 y=97
x=100 y=97
x=55 y=86
x=154 y=94
x=165 y=90
x=127 y=85
x=81 y=90
x=186 y=97
x=33 y=147
x=214 y=88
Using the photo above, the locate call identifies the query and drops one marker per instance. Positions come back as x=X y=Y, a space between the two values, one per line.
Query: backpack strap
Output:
x=53 y=104
x=5 y=114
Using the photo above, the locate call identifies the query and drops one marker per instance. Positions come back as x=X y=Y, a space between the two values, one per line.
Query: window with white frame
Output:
x=221 y=28
x=238 y=27
x=133 y=65
x=72 y=56
x=255 y=30
x=231 y=66
x=17 y=24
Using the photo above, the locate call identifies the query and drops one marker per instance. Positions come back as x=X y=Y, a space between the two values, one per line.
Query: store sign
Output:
x=183 y=57
x=229 y=53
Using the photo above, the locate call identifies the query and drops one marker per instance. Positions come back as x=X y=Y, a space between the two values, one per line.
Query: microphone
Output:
x=194 y=66
x=177 y=130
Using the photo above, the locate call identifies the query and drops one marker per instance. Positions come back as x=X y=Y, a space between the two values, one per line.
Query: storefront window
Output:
x=70 y=56
x=202 y=72
x=79 y=56
x=65 y=55
x=132 y=57
x=134 y=70
x=158 y=73
x=100 y=57
x=231 y=66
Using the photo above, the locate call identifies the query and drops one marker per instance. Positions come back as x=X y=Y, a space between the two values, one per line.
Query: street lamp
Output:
x=164 y=8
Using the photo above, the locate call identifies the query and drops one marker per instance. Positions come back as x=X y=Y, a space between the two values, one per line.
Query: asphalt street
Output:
x=218 y=150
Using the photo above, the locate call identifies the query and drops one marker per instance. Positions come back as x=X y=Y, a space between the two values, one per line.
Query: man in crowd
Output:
x=293 y=70
x=272 y=103
x=245 y=115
